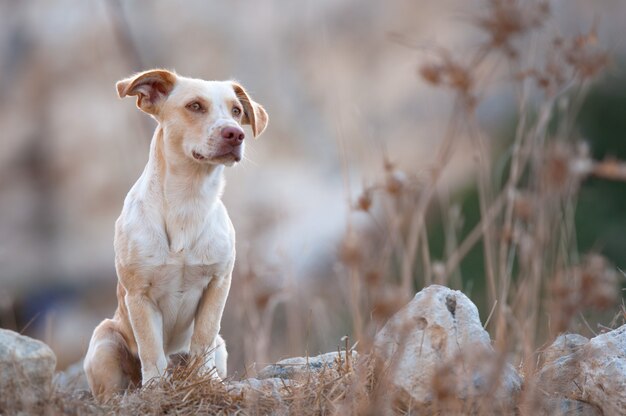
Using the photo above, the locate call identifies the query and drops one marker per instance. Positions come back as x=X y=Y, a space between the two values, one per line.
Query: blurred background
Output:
x=339 y=81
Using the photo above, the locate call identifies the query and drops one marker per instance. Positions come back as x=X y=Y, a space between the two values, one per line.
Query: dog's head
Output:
x=201 y=120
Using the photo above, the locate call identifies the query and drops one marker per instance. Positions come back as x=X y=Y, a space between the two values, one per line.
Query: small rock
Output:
x=72 y=379
x=435 y=349
x=292 y=368
x=565 y=344
x=26 y=370
x=593 y=372
x=261 y=395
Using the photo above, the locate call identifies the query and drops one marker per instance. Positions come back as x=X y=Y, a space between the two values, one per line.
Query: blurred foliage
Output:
x=601 y=210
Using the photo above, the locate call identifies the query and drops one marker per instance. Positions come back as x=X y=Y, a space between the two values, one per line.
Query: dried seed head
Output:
x=350 y=251
x=451 y=74
x=396 y=182
x=556 y=167
x=431 y=73
x=262 y=299
x=387 y=301
x=364 y=203
x=586 y=57
x=599 y=282
x=593 y=284
x=459 y=78
x=373 y=278
x=578 y=59
x=565 y=165
x=264 y=289
x=524 y=205
x=388 y=165
x=508 y=19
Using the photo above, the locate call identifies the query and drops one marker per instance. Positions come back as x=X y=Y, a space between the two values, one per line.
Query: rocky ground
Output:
x=432 y=357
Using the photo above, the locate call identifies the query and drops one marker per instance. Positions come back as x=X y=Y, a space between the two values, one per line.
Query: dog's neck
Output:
x=187 y=190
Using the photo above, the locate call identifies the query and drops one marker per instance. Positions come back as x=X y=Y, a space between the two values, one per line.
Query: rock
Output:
x=558 y=406
x=72 y=379
x=565 y=344
x=593 y=372
x=261 y=395
x=435 y=350
x=26 y=370
x=269 y=385
x=292 y=368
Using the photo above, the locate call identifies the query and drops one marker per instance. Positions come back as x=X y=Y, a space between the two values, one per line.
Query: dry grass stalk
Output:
x=533 y=272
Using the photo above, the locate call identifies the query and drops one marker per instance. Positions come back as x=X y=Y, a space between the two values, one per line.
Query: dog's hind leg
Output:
x=109 y=364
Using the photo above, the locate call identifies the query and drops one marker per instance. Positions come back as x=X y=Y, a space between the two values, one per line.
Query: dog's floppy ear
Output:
x=150 y=87
x=253 y=113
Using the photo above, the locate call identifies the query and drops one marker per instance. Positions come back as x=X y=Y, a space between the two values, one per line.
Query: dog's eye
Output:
x=236 y=111
x=195 y=106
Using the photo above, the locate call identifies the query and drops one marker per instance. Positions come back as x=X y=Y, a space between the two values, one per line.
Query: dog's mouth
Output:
x=198 y=156
x=232 y=154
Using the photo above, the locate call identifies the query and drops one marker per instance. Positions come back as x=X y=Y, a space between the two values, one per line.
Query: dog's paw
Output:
x=151 y=373
x=212 y=373
x=149 y=377
x=206 y=368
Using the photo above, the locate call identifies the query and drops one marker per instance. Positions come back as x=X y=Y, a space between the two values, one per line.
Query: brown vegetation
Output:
x=536 y=281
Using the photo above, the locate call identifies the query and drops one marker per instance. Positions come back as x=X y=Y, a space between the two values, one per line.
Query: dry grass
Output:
x=537 y=282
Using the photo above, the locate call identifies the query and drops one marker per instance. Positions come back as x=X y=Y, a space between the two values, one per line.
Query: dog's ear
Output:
x=253 y=113
x=150 y=87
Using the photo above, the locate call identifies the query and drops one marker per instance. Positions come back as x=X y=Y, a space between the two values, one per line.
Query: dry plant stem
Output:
x=267 y=318
x=493 y=308
x=484 y=174
x=393 y=237
x=529 y=141
x=451 y=225
x=294 y=321
x=475 y=234
x=484 y=196
x=130 y=50
x=577 y=101
x=355 y=296
x=417 y=220
x=610 y=169
x=428 y=270
x=509 y=188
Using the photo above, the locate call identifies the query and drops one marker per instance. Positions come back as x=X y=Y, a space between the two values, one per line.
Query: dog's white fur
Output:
x=174 y=241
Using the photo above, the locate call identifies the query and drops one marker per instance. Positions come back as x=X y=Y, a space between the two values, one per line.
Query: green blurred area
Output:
x=601 y=209
x=601 y=212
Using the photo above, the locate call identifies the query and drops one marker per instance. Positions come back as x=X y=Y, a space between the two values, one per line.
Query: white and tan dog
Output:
x=174 y=241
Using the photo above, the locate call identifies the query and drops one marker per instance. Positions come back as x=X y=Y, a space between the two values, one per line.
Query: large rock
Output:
x=26 y=370
x=435 y=351
x=292 y=368
x=593 y=372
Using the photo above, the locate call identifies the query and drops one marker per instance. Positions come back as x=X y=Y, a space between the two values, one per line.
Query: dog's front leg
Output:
x=147 y=323
x=208 y=318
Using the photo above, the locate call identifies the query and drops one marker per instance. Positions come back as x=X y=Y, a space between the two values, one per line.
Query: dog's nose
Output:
x=233 y=135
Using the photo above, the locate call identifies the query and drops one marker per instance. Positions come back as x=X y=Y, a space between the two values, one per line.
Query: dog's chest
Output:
x=197 y=251
x=198 y=239
x=192 y=261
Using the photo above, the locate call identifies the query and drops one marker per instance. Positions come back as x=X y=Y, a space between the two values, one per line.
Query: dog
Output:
x=174 y=241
